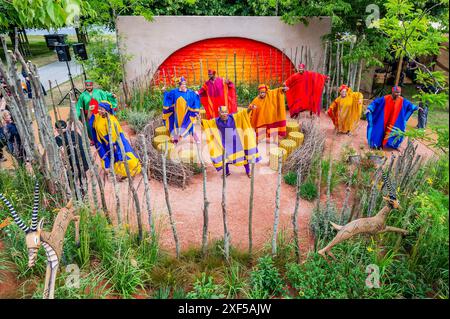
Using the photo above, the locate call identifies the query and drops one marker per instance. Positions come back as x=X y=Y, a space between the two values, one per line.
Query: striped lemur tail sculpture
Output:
x=51 y=241
x=367 y=225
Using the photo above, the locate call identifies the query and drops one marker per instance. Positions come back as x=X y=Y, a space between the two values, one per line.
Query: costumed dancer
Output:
x=99 y=125
x=385 y=116
x=345 y=111
x=305 y=91
x=217 y=92
x=270 y=111
x=92 y=97
x=234 y=135
x=180 y=110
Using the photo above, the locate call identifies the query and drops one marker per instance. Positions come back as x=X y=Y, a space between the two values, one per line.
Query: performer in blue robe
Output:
x=386 y=116
x=180 y=110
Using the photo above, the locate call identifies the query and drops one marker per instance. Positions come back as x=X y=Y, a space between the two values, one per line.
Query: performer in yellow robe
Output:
x=234 y=135
x=270 y=110
x=346 y=110
x=99 y=124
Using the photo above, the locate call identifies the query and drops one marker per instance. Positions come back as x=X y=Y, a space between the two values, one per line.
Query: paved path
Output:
x=57 y=71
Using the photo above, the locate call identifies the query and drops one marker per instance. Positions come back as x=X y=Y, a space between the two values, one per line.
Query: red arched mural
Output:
x=238 y=59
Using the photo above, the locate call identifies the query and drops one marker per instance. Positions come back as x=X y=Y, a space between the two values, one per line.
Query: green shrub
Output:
x=246 y=93
x=139 y=119
x=308 y=190
x=265 y=278
x=104 y=66
x=290 y=178
x=162 y=293
x=341 y=279
x=205 y=289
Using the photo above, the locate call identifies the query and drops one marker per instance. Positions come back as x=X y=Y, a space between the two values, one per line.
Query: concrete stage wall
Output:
x=151 y=43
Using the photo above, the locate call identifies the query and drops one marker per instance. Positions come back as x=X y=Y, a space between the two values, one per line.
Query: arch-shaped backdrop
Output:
x=238 y=59
x=149 y=44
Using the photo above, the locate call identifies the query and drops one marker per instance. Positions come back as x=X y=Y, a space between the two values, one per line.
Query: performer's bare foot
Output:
x=227 y=174
x=249 y=175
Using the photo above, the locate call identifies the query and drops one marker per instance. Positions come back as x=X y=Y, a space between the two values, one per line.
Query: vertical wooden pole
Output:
x=113 y=174
x=137 y=206
x=250 y=210
x=226 y=234
x=146 y=183
x=235 y=69
x=277 y=208
x=205 y=204
x=169 y=207
x=295 y=216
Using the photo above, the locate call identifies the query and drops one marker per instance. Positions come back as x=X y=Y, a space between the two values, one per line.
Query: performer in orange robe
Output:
x=305 y=91
x=346 y=110
x=270 y=111
x=217 y=92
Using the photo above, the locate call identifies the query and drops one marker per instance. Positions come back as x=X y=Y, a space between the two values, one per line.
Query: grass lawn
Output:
x=41 y=55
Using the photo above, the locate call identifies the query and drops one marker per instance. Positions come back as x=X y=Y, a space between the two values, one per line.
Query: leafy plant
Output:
x=104 y=65
x=290 y=178
x=162 y=293
x=266 y=278
x=308 y=190
x=139 y=119
x=233 y=280
x=204 y=288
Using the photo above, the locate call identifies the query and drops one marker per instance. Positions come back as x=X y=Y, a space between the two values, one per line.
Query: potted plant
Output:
x=376 y=156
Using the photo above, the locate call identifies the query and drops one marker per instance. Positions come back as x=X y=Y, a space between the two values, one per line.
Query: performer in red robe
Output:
x=215 y=93
x=305 y=91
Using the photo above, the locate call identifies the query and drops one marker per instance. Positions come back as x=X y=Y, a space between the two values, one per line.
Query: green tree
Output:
x=414 y=29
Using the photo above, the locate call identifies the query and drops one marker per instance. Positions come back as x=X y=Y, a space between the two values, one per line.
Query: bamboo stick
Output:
x=226 y=234
x=93 y=168
x=250 y=210
x=113 y=173
x=243 y=68
x=146 y=183
x=358 y=85
x=295 y=59
x=169 y=208
x=257 y=68
x=277 y=208
x=295 y=216
x=235 y=70
x=137 y=206
x=205 y=204
x=282 y=66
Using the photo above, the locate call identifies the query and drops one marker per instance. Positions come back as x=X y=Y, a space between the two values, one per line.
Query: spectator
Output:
x=13 y=140
x=423 y=108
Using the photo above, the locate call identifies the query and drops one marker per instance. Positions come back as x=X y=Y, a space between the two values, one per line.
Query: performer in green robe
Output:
x=90 y=98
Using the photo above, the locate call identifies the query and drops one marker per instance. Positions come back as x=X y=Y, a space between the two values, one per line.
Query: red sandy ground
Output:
x=187 y=204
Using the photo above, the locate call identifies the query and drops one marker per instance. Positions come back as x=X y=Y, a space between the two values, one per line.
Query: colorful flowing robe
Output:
x=345 y=112
x=236 y=136
x=180 y=110
x=386 y=116
x=87 y=99
x=305 y=92
x=100 y=137
x=270 y=112
x=214 y=94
